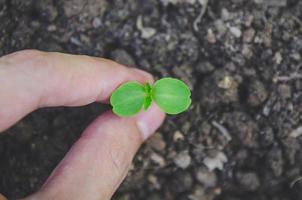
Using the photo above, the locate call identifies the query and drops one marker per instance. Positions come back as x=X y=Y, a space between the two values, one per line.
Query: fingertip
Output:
x=146 y=76
x=150 y=120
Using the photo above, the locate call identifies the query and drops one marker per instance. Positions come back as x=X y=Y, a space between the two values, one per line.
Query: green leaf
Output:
x=171 y=95
x=148 y=98
x=147 y=102
x=128 y=99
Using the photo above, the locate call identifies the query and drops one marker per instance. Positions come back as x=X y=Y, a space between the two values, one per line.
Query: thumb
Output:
x=98 y=162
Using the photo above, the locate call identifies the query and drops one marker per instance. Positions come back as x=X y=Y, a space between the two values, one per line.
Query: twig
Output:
x=296 y=19
x=222 y=130
x=201 y=14
x=293 y=76
x=292 y=184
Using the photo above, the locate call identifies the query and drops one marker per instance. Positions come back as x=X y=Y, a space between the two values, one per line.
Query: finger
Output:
x=2 y=197
x=98 y=162
x=31 y=79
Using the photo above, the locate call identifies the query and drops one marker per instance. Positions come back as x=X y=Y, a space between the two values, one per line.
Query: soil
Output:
x=240 y=138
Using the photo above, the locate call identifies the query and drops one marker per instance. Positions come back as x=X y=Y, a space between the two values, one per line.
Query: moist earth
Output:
x=240 y=139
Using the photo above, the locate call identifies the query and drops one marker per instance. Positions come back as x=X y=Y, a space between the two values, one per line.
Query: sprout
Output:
x=171 y=95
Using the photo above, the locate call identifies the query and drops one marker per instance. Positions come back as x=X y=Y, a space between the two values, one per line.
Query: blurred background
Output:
x=240 y=139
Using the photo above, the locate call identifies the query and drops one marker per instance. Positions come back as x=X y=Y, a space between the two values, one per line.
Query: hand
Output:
x=98 y=162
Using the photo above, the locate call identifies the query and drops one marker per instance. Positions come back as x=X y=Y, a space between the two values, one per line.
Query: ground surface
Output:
x=240 y=138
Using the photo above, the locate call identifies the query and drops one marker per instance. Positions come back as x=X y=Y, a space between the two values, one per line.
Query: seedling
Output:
x=171 y=95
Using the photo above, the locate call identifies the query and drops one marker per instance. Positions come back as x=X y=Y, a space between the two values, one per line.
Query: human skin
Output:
x=100 y=159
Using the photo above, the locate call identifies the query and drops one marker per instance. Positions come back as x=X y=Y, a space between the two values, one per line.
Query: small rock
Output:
x=76 y=41
x=225 y=15
x=275 y=161
x=257 y=93
x=230 y=66
x=79 y=7
x=215 y=162
x=158 y=159
x=85 y=40
x=226 y=82
x=258 y=1
x=296 y=132
x=247 y=51
x=182 y=160
x=198 y=193
x=284 y=91
x=220 y=26
x=96 y=22
x=278 y=58
x=205 y=177
x=178 y=136
x=276 y=3
x=249 y=20
x=21 y=5
x=123 y=57
x=154 y=181
x=181 y=181
x=52 y=28
x=47 y=10
x=296 y=56
x=211 y=36
x=248 y=35
x=236 y=31
x=204 y=67
x=205 y=128
x=146 y=32
x=156 y=142
x=249 y=180
x=230 y=87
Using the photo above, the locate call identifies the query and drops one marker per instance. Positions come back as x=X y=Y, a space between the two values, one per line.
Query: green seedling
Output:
x=171 y=95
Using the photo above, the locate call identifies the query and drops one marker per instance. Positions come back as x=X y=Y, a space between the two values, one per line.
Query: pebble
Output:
x=158 y=159
x=284 y=91
x=276 y=3
x=123 y=57
x=220 y=26
x=249 y=180
x=47 y=10
x=278 y=58
x=296 y=56
x=198 y=193
x=156 y=142
x=205 y=128
x=211 y=36
x=206 y=177
x=146 y=32
x=216 y=162
x=225 y=15
x=248 y=35
x=258 y=1
x=154 y=181
x=182 y=181
x=249 y=20
x=178 y=136
x=226 y=83
x=204 y=67
x=79 y=7
x=257 y=93
x=182 y=160
x=235 y=31
x=52 y=28
x=96 y=22
x=275 y=160
x=247 y=51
